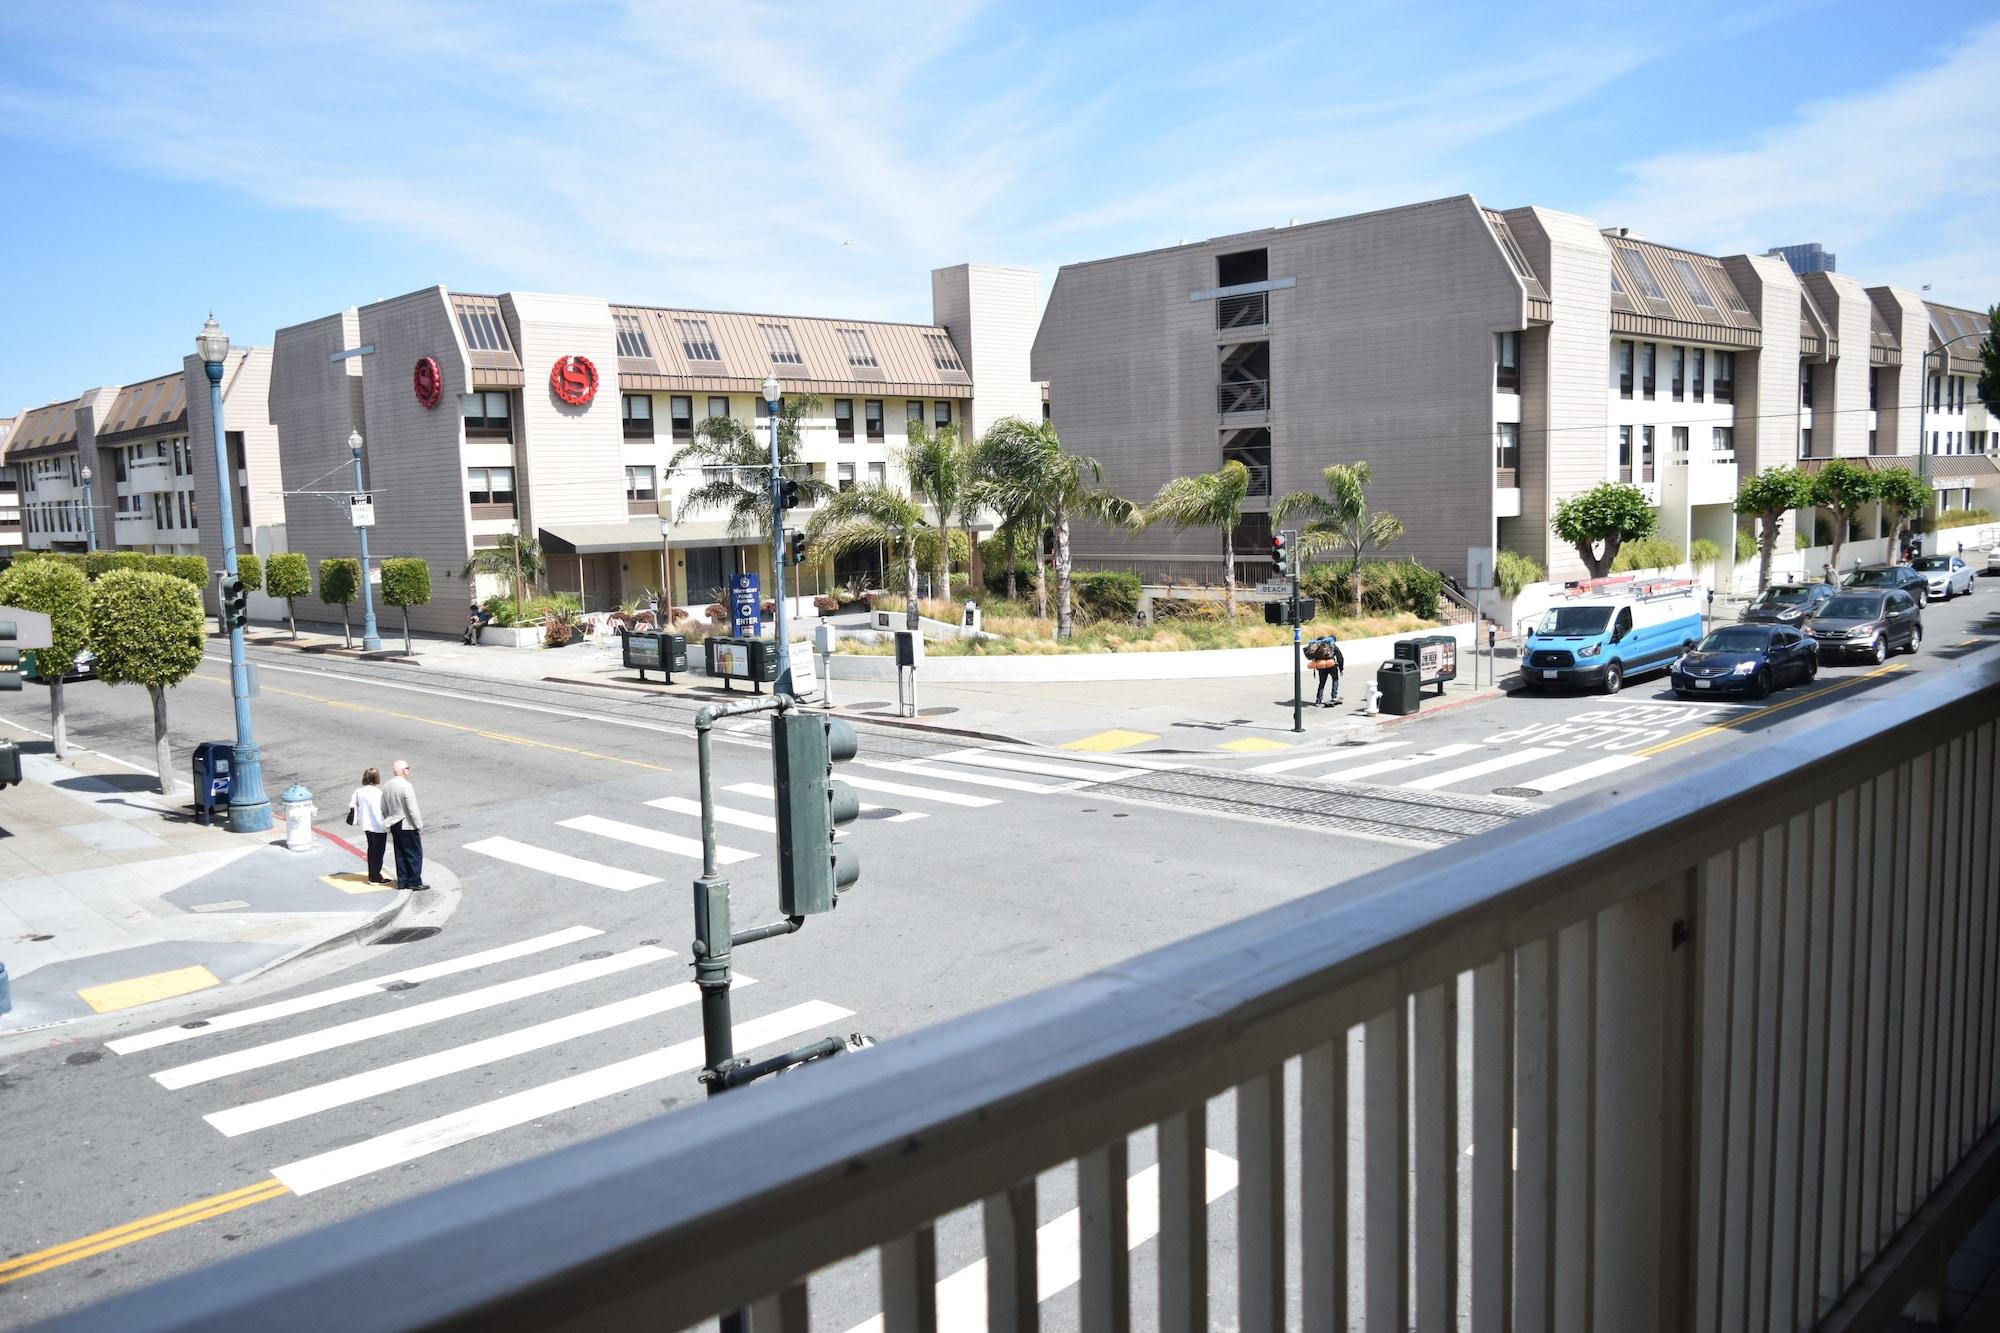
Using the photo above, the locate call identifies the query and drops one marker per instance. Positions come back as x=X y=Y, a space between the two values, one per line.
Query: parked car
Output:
x=1947 y=575
x=1901 y=577
x=1993 y=558
x=1751 y=660
x=1787 y=603
x=1870 y=623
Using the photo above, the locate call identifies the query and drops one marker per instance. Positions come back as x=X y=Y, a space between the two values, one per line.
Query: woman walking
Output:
x=364 y=810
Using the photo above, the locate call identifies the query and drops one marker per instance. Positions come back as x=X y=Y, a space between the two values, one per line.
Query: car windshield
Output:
x=1574 y=620
x=1851 y=608
x=1734 y=641
x=1872 y=578
x=1786 y=596
x=1930 y=563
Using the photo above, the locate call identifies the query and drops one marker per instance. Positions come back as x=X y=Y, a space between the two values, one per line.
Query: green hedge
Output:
x=1513 y=571
x=99 y=563
x=1106 y=594
x=287 y=575
x=339 y=580
x=1647 y=553
x=1703 y=552
x=1746 y=546
x=250 y=569
x=187 y=568
x=1387 y=586
x=406 y=581
x=993 y=554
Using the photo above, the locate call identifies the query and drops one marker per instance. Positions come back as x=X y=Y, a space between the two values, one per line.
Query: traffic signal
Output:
x=1281 y=551
x=798 y=540
x=788 y=493
x=812 y=870
x=10 y=662
x=235 y=602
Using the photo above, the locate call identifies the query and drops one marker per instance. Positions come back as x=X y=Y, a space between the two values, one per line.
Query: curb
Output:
x=372 y=924
x=1477 y=696
x=670 y=692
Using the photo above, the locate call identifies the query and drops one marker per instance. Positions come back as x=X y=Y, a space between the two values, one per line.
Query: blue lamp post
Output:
x=371 y=641
x=89 y=512
x=249 y=810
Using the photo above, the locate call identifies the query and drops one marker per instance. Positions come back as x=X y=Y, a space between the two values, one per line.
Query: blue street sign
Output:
x=746 y=618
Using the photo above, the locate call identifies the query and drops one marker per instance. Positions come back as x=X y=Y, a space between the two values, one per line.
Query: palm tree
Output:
x=1034 y=476
x=940 y=469
x=735 y=465
x=1341 y=519
x=872 y=516
x=517 y=556
x=1207 y=500
x=1004 y=465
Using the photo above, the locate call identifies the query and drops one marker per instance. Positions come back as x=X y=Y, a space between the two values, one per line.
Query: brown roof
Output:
x=1815 y=337
x=44 y=428
x=1516 y=256
x=1968 y=466
x=719 y=349
x=147 y=407
x=1884 y=347
x=1668 y=292
x=1949 y=322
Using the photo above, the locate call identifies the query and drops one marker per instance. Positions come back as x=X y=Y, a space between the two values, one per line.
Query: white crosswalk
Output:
x=1539 y=769
x=388 y=1082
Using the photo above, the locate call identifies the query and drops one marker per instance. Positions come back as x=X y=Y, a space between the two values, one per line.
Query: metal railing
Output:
x=1249 y=311
x=1727 y=1042
x=1243 y=396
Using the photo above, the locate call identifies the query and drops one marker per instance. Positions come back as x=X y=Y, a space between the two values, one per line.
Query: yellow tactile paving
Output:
x=352 y=882
x=1110 y=740
x=1253 y=745
x=144 y=990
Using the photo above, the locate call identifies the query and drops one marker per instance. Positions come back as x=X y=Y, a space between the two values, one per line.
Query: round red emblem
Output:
x=427 y=381
x=574 y=380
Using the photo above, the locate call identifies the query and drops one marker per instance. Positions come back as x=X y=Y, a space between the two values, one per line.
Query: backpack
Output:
x=1319 y=651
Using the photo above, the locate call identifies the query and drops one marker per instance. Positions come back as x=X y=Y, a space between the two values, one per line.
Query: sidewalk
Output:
x=111 y=896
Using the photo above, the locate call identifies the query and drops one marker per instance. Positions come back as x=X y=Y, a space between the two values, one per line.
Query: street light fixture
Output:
x=89 y=512
x=249 y=810
x=772 y=392
x=371 y=640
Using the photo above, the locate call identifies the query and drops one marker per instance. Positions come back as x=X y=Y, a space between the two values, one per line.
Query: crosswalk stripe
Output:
x=1433 y=781
x=1340 y=755
x=925 y=770
x=411 y=1142
x=1075 y=770
x=657 y=839
x=1596 y=768
x=527 y=855
x=454 y=1060
x=917 y=793
x=1112 y=760
x=681 y=805
x=401 y=1020
x=354 y=990
x=961 y=1298
x=764 y=793
x=1388 y=765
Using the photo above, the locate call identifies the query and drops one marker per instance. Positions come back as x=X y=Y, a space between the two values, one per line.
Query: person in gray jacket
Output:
x=406 y=826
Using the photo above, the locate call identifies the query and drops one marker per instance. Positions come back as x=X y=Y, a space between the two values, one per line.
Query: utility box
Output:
x=1434 y=655
x=664 y=653
x=212 y=779
x=1397 y=683
x=754 y=660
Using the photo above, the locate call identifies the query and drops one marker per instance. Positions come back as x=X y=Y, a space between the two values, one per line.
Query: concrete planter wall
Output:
x=517 y=636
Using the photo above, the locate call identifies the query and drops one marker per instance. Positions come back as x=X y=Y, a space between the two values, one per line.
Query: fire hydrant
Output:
x=299 y=812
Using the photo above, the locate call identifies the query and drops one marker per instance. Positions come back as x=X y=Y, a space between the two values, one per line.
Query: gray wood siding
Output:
x=1576 y=434
x=1840 y=391
x=572 y=459
x=1767 y=379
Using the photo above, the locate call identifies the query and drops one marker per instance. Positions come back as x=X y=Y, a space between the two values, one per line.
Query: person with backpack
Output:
x=1323 y=655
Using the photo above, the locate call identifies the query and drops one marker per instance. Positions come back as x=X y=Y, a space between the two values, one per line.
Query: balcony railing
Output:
x=1249 y=311
x=1727 y=1043
x=1243 y=396
x=1506 y=478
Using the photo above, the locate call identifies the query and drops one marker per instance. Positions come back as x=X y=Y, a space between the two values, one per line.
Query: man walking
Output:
x=1327 y=661
x=406 y=826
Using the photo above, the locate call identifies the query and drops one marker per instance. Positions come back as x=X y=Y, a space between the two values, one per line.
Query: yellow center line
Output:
x=455 y=726
x=85 y=1247
x=1699 y=732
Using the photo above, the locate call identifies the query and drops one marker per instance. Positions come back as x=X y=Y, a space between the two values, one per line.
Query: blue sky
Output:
x=277 y=162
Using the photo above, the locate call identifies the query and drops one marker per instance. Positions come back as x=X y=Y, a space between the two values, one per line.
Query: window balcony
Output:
x=1243 y=396
x=1250 y=312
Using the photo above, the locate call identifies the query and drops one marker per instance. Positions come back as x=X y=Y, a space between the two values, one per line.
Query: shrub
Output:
x=406 y=582
x=101 y=562
x=1800 y=541
x=1703 y=552
x=339 y=585
x=63 y=595
x=187 y=568
x=1646 y=553
x=1106 y=594
x=1513 y=571
x=286 y=576
x=1962 y=518
x=825 y=605
x=1746 y=546
x=250 y=569
x=147 y=629
x=1387 y=586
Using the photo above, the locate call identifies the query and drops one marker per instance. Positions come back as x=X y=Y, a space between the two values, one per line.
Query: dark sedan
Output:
x=1901 y=578
x=1871 y=624
x=1750 y=660
x=1787 y=604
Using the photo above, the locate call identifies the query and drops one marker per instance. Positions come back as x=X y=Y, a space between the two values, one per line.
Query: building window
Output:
x=878 y=474
x=1507 y=357
x=1935 y=389
x=943 y=355
x=1805 y=442
x=718 y=405
x=487 y=415
x=1692 y=280
x=180 y=461
x=1805 y=386
x=778 y=341
x=844 y=472
x=1251 y=448
x=1507 y=451
x=1725 y=377
x=493 y=486
x=941 y=417
x=1648 y=355
x=843 y=418
x=639 y=484
x=483 y=330
x=764 y=409
x=632 y=337
x=1933 y=441
x=118 y=463
x=1680 y=443
x=181 y=498
x=638 y=414
x=1698 y=376
x=871 y=416
x=1871 y=440
x=860 y=356
x=1874 y=395
x=1625 y=453
x=1624 y=368
x=913 y=410
x=1642 y=277
x=1723 y=441
x=1645 y=453
x=697 y=340
x=680 y=415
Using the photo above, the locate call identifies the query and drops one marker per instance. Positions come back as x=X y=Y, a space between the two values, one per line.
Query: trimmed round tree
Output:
x=1902 y=495
x=60 y=592
x=406 y=582
x=147 y=629
x=339 y=585
x=250 y=569
x=1841 y=489
x=1601 y=520
x=287 y=576
x=1768 y=497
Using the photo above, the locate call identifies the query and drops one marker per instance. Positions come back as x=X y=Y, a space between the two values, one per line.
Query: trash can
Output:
x=299 y=812
x=212 y=779
x=1397 y=683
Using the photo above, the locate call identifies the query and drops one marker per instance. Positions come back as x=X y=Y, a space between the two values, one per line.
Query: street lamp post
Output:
x=371 y=641
x=249 y=810
x=772 y=392
x=89 y=513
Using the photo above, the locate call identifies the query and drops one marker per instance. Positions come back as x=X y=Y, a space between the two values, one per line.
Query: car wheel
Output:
x=1760 y=688
x=1614 y=676
x=1916 y=641
x=1812 y=670
x=1878 y=651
